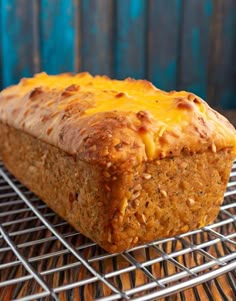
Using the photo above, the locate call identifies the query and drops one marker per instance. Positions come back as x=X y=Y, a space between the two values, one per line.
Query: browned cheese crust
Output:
x=120 y=174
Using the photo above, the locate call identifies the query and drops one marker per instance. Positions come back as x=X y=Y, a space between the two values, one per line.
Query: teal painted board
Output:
x=97 y=36
x=194 y=48
x=163 y=42
x=227 y=71
x=214 y=58
x=177 y=44
x=18 y=44
x=57 y=24
x=130 y=39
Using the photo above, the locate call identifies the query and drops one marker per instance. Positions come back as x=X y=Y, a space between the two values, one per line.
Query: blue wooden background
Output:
x=177 y=44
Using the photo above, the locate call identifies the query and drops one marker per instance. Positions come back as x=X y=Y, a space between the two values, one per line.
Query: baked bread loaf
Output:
x=122 y=161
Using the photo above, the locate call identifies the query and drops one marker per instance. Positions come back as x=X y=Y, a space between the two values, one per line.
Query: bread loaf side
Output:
x=122 y=161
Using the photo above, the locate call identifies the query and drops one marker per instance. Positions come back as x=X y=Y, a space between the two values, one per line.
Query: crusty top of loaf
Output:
x=106 y=121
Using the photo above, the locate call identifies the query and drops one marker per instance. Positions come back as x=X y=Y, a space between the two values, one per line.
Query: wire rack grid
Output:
x=42 y=257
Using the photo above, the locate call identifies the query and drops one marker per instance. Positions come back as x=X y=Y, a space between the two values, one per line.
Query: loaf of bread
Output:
x=122 y=161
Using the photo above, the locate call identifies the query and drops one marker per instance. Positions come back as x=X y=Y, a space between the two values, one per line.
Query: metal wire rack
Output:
x=42 y=257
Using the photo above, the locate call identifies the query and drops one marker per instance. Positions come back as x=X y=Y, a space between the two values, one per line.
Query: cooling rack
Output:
x=42 y=257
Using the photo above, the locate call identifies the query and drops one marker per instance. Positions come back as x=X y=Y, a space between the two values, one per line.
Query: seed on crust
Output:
x=191 y=97
x=162 y=155
x=124 y=206
x=190 y=202
x=197 y=101
x=183 y=104
x=109 y=236
x=136 y=203
x=107 y=187
x=141 y=218
x=135 y=195
x=163 y=193
x=135 y=240
x=137 y=187
x=162 y=130
x=183 y=165
x=147 y=176
x=109 y=164
x=213 y=147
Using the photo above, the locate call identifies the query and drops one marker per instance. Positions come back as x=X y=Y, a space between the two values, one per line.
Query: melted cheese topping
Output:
x=122 y=95
x=172 y=112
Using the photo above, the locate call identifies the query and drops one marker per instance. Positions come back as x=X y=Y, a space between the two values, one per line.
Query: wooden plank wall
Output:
x=97 y=36
x=18 y=40
x=177 y=44
x=57 y=35
x=130 y=38
x=164 y=25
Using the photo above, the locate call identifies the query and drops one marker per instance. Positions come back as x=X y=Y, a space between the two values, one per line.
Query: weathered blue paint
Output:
x=209 y=8
x=166 y=74
x=163 y=42
x=169 y=42
x=17 y=40
x=130 y=39
x=228 y=99
x=97 y=36
x=57 y=36
x=198 y=87
x=195 y=42
x=195 y=46
x=227 y=91
x=137 y=8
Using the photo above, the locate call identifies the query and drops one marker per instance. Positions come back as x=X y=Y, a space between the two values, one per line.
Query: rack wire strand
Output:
x=155 y=270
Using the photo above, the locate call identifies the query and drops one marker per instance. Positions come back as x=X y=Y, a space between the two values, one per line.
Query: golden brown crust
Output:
x=69 y=112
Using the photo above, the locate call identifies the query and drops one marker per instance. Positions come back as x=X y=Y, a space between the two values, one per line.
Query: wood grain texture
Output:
x=130 y=39
x=215 y=51
x=97 y=36
x=57 y=36
x=177 y=44
x=36 y=36
x=195 y=46
x=163 y=42
x=18 y=46
x=77 y=34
